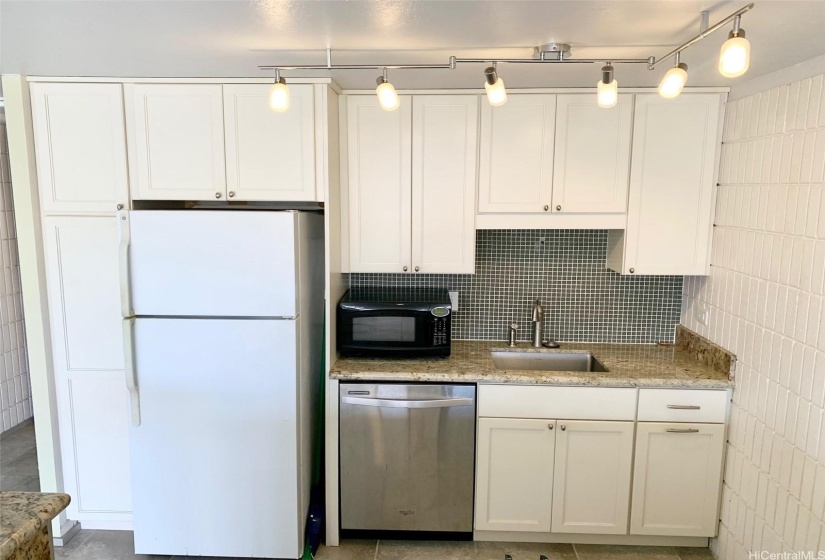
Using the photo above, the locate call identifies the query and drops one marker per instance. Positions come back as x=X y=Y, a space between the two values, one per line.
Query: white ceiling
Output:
x=230 y=38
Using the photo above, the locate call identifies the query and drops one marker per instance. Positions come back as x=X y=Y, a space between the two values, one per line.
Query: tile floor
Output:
x=18 y=460
x=119 y=545
x=18 y=471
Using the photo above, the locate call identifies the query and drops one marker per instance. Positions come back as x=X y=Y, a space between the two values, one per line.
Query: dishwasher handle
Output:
x=404 y=403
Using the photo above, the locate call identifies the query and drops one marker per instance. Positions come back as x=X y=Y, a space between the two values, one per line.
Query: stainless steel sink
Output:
x=547 y=361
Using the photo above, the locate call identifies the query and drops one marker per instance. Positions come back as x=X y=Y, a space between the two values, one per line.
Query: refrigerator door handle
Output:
x=124 y=239
x=131 y=372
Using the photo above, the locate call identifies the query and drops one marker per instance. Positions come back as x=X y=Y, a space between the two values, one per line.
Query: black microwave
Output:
x=394 y=322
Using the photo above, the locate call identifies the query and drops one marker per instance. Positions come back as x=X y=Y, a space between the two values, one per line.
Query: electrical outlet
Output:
x=702 y=314
x=454 y=300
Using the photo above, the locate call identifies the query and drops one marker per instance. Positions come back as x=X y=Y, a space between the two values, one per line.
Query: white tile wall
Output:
x=15 y=390
x=766 y=302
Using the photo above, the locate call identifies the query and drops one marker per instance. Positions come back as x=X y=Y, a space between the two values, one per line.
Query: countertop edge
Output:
x=48 y=507
x=533 y=379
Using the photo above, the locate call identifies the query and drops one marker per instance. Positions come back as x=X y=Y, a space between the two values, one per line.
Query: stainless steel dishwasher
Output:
x=407 y=457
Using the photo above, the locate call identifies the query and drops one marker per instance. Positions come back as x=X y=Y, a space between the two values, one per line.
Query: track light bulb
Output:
x=673 y=82
x=279 y=95
x=735 y=56
x=607 y=90
x=496 y=93
x=387 y=96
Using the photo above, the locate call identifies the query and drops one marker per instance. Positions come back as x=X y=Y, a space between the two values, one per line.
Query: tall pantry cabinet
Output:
x=80 y=145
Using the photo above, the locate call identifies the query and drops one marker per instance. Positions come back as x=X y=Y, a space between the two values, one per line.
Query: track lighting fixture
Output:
x=673 y=82
x=387 y=96
x=734 y=58
x=279 y=94
x=607 y=90
x=496 y=94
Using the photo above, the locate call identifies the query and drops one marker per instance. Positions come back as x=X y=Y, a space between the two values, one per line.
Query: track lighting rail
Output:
x=651 y=61
x=733 y=17
x=734 y=60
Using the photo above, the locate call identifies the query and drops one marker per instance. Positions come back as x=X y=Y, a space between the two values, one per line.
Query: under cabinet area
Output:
x=587 y=460
x=411 y=184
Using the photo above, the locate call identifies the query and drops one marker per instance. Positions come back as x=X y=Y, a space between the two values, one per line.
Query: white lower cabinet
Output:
x=591 y=484
x=87 y=349
x=677 y=479
x=619 y=477
x=514 y=474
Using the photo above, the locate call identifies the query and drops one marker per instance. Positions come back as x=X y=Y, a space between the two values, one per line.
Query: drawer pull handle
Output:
x=684 y=406
x=682 y=430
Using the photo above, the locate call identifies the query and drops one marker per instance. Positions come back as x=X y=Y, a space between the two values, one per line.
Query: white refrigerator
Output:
x=223 y=315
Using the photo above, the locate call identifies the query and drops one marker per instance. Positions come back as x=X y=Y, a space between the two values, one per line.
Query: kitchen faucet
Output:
x=538 y=317
x=538 y=320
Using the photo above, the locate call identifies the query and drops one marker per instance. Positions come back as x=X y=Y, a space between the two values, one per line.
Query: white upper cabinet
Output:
x=412 y=182
x=176 y=140
x=516 y=157
x=591 y=487
x=672 y=177
x=677 y=479
x=380 y=179
x=514 y=474
x=269 y=155
x=80 y=145
x=445 y=133
x=592 y=158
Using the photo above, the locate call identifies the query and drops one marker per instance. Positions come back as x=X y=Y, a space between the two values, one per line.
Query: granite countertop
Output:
x=691 y=362
x=23 y=515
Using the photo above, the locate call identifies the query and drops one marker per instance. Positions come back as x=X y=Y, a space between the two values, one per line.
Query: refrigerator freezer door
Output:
x=213 y=263
x=215 y=459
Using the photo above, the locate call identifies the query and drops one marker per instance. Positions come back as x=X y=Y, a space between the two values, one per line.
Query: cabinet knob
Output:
x=120 y=207
x=632 y=270
x=417 y=269
x=563 y=428
x=549 y=426
x=231 y=194
x=546 y=208
x=405 y=269
x=558 y=208
x=217 y=195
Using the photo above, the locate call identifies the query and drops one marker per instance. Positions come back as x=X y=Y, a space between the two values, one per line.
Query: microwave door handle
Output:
x=403 y=403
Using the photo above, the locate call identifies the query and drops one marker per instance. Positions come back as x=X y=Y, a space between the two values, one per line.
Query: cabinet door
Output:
x=80 y=143
x=591 y=483
x=176 y=141
x=87 y=349
x=269 y=155
x=514 y=474
x=675 y=142
x=380 y=158
x=445 y=132
x=677 y=479
x=516 y=158
x=592 y=161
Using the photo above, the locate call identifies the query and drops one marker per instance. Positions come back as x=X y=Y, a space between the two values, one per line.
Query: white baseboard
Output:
x=67 y=532
x=572 y=538
x=108 y=525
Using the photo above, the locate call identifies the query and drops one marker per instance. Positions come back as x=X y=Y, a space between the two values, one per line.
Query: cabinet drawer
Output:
x=571 y=403
x=682 y=405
